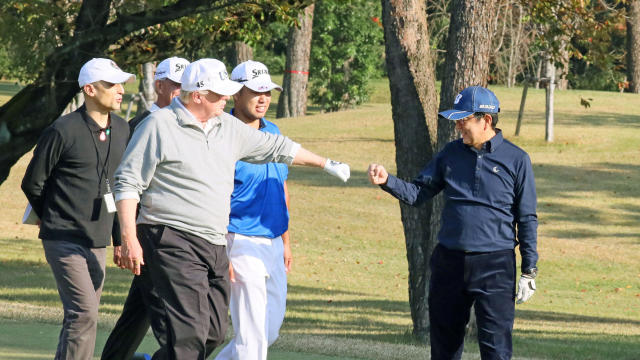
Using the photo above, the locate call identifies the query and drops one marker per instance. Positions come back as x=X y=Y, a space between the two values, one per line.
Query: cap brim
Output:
x=226 y=87
x=120 y=78
x=175 y=79
x=261 y=86
x=455 y=114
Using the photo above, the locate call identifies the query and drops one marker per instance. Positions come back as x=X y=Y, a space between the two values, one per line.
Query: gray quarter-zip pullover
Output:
x=183 y=176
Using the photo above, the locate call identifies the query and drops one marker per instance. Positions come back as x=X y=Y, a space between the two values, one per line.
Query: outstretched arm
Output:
x=428 y=183
x=305 y=157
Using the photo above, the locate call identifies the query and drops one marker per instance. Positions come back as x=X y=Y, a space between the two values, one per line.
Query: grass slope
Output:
x=348 y=289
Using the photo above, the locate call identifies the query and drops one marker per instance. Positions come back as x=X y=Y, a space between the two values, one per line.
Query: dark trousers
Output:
x=142 y=307
x=191 y=276
x=459 y=280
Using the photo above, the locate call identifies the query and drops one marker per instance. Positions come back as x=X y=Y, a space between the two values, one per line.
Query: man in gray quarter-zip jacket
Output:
x=179 y=166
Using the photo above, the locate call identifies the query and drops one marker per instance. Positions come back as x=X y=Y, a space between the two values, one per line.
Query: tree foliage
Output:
x=590 y=31
x=346 y=52
x=47 y=42
x=585 y=38
x=32 y=30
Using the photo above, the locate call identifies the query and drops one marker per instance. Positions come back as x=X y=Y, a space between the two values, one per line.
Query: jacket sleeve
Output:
x=429 y=182
x=138 y=163
x=260 y=147
x=46 y=155
x=526 y=216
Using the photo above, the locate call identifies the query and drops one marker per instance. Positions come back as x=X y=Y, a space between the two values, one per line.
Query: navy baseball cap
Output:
x=470 y=100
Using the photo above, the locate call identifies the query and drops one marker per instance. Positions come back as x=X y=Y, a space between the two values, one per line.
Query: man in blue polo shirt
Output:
x=258 y=239
x=490 y=208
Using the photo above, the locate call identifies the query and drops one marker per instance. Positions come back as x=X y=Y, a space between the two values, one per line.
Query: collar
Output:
x=93 y=125
x=186 y=118
x=490 y=145
x=154 y=107
x=262 y=120
x=494 y=142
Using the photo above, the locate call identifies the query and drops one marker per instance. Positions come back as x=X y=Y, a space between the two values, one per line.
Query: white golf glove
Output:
x=526 y=288
x=337 y=169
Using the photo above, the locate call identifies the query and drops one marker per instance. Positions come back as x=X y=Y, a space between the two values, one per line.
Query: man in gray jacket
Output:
x=180 y=166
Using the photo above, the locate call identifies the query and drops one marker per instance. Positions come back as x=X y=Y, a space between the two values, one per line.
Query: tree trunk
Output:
x=413 y=101
x=562 y=83
x=538 y=72
x=146 y=88
x=293 y=99
x=550 y=75
x=633 y=45
x=240 y=52
x=514 y=51
x=469 y=48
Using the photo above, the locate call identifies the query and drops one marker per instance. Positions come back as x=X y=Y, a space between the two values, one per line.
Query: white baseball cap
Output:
x=208 y=74
x=171 y=68
x=255 y=76
x=98 y=69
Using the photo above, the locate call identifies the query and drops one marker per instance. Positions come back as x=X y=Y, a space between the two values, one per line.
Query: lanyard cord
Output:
x=105 y=166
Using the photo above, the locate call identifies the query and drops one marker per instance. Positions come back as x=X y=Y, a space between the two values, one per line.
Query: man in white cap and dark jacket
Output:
x=179 y=166
x=69 y=185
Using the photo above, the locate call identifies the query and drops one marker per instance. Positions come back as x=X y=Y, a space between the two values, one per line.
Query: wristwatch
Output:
x=531 y=272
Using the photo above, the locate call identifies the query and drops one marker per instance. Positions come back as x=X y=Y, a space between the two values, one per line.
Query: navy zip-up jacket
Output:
x=490 y=197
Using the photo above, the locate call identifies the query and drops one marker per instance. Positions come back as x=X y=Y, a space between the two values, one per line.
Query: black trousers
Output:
x=459 y=280
x=191 y=276
x=142 y=307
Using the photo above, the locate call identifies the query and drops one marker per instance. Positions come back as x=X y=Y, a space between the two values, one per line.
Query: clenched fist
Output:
x=378 y=174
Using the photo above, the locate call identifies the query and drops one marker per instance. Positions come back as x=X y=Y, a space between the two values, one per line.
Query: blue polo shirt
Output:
x=490 y=197
x=258 y=206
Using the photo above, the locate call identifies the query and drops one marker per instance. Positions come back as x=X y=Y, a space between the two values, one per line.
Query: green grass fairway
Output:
x=348 y=289
x=33 y=341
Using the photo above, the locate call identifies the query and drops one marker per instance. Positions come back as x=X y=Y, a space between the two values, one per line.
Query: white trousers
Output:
x=258 y=296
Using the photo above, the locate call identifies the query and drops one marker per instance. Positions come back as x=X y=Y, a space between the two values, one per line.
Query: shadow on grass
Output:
x=598 y=119
x=33 y=282
x=566 y=182
x=618 y=180
x=316 y=177
x=363 y=317
x=565 y=318
x=554 y=344
x=563 y=118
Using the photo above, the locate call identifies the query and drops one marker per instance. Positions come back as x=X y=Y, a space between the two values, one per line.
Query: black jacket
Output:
x=67 y=178
x=137 y=120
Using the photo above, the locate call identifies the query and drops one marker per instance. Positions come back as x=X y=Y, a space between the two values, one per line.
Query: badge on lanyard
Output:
x=108 y=199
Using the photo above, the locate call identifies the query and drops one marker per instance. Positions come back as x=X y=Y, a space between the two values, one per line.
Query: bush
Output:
x=347 y=50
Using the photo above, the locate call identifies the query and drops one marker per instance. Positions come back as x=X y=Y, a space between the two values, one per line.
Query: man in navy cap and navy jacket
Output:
x=490 y=208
